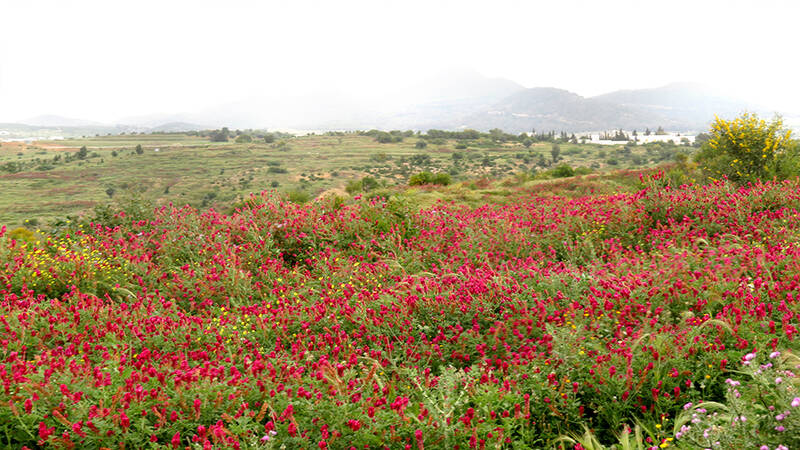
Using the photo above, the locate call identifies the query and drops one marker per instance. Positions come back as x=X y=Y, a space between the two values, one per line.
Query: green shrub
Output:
x=442 y=179
x=748 y=149
x=562 y=171
x=298 y=196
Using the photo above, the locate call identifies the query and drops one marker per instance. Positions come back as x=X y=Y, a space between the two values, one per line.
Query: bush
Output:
x=421 y=144
x=243 y=139
x=562 y=171
x=442 y=179
x=748 y=149
x=298 y=196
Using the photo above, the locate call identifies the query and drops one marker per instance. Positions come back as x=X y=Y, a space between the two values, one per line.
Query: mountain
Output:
x=546 y=109
x=449 y=100
x=176 y=127
x=690 y=104
x=51 y=121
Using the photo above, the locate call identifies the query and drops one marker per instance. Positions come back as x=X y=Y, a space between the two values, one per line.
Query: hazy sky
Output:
x=103 y=60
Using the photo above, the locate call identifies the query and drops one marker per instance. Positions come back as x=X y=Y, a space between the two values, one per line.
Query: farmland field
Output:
x=646 y=317
x=39 y=184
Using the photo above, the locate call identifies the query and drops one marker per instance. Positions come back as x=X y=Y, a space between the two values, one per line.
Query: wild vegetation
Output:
x=632 y=309
x=58 y=180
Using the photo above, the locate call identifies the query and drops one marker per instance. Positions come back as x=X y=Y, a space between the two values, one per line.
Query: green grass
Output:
x=192 y=170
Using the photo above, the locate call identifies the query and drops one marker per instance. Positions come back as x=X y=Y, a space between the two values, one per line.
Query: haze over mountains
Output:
x=448 y=101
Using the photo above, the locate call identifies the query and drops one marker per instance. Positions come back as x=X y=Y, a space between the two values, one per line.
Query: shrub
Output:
x=442 y=179
x=562 y=171
x=243 y=139
x=748 y=149
x=298 y=196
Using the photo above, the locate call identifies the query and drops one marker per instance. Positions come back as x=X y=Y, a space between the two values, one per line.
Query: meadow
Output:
x=451 y=294
x=39 y=185
x=653 y=317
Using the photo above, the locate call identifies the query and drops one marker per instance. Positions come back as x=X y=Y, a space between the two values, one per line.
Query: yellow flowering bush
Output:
x=748 y=149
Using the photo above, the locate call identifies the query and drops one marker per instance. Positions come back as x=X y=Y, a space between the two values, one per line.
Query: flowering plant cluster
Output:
x=761 y=411
x=378 y=325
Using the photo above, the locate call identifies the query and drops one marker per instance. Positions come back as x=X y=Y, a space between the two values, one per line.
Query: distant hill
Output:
x=684 y=103
x=51 y=121
x=545 y=109
x=454 y=100
x=175 y=127
x=679 y=106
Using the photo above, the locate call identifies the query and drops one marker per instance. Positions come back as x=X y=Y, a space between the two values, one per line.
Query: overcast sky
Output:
x=104 y=60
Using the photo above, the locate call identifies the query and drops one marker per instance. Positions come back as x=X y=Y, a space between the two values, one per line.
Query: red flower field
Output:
x=377 y=325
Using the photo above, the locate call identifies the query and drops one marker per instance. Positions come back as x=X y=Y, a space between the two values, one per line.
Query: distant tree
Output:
x=269 y=138
x=701 y=139
x=139 y=149
x=647 y=132
x=110 y=192
x=421 y=144
x=555 y=151
x=527 y=142
x=244 y=139
x=221 y=135
x=660 y=132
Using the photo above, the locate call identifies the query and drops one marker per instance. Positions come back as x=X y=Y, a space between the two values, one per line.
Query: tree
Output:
x=421 y=144
x=244 y=139
x=139 y=149
x=82 y=153
x=110 y=192
x=269 y=138
x=748 y=149
x=555 y=150
x=527 y=143
x=221 y=135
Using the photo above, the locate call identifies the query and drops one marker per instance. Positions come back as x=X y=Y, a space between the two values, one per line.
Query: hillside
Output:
x=686 y=104
x=557 y=109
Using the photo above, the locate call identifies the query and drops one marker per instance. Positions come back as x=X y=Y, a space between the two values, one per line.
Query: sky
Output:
x=106 y=60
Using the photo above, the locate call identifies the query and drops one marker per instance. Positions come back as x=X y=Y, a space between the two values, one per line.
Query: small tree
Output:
x=139 y=149
x=748 y=149
x=244 y=139
x=555 y=151
x=421 y=144
x=82 y=153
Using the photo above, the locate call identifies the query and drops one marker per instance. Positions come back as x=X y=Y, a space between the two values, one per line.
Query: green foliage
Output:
x=748 y=149
x=298 y=196
x=421 y=144
x=562 y=171
x=422 y=178
x=244 y=139
x=555 y=151
x=139 y=149
x=220 y=135
x=760 y=409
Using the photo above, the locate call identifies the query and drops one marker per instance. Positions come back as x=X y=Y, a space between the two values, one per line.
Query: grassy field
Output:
x=45 y=181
